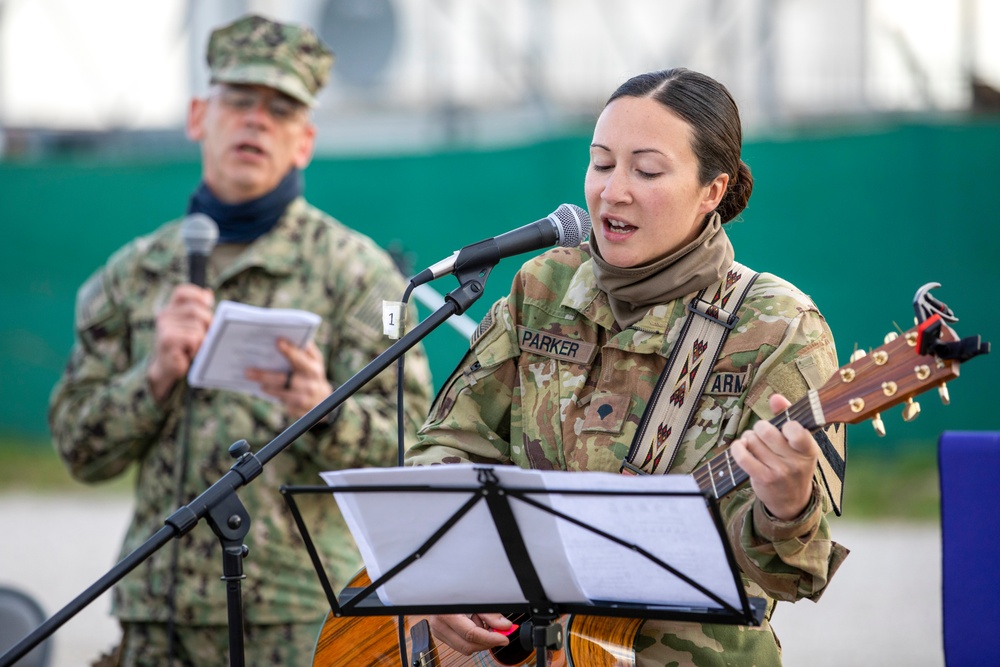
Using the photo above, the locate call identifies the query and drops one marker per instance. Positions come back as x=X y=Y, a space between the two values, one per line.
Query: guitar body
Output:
x=373 y=641
x=602 y=641
x=358 y=640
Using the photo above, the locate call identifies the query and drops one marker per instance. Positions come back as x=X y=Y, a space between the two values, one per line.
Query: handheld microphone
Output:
x=199 y=233
x=566 y=226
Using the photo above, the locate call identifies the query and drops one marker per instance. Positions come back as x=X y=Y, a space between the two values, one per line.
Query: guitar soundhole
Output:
x=513 y=653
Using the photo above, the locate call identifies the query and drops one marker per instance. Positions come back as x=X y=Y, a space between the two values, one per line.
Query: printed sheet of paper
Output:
x=469 y=564
x=243 y=337
x=676 y=529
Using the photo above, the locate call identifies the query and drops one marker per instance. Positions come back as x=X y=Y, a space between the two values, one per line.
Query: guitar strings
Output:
x=799 y=411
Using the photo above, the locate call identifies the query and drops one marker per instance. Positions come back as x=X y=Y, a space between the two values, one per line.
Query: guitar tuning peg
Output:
x=910 y=410
x=858 y=354
x=889 y=337
x=943 y=393
x=878 y=425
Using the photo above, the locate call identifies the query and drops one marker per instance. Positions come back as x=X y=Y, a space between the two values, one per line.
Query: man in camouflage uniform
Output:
x=560 y=371
x=139 y=323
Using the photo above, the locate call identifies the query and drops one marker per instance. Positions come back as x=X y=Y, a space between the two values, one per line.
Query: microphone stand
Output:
x=221 y=507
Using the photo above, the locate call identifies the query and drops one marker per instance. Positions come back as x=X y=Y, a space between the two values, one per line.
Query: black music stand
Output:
x=511 y=514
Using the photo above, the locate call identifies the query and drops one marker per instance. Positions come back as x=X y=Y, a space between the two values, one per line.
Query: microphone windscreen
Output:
x=573 y=224
x=199 y=233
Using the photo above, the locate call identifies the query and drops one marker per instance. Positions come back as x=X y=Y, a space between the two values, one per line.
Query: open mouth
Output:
x=249 y=149
x=618 y=227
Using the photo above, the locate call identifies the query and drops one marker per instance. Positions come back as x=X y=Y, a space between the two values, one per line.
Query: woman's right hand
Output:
x=470 y=634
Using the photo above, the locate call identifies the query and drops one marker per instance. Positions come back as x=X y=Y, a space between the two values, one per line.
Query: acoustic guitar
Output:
x=373 y=641
x=926 y=356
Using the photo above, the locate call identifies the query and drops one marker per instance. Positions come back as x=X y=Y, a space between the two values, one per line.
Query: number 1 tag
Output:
x=393 y=313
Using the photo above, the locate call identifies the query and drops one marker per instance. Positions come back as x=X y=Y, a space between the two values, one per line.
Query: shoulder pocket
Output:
x=467 y=375
x=494 y=341
x=93 y=306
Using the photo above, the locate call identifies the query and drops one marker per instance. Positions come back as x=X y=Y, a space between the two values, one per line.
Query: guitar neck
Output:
x=721 y=474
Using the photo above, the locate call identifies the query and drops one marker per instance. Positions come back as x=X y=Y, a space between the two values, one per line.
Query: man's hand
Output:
x=780 y=463
x=180 y=329
x=304 y=386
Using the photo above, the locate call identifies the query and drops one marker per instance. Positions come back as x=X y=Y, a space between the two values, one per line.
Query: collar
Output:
x=651 y=334
x=633 y=291
x=247 y=221
x=584 y=296
x=276 y=252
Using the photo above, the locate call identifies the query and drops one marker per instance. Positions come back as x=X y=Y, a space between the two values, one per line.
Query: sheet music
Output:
x=242 y=337
x=678 y=530
x=469 y=564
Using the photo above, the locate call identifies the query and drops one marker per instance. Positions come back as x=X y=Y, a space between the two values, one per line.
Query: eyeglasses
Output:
x=281 y=108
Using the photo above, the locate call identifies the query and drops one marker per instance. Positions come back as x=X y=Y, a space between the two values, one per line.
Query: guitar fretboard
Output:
x=721 y=474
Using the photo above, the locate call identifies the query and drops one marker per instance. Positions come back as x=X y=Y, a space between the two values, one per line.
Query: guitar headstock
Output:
x=889 y=375
x=928 y=355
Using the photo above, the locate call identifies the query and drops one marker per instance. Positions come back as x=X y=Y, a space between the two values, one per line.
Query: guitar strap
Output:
x=688 y=368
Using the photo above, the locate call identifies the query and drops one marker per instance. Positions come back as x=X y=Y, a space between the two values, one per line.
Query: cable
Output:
x=400 y=416
x=180 y=477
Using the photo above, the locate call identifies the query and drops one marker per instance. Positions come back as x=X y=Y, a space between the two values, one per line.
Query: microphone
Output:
x=199 y=233
x=566 y=226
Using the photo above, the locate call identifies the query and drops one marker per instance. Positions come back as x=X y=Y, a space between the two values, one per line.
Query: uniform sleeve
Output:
x=794 y=559
x=102 y=414
x=363 y=431
x=470 y=419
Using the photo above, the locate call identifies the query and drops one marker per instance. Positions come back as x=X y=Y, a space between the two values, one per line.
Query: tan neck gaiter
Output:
x=634 y=290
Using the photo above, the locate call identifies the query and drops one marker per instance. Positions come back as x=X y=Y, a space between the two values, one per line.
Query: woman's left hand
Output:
x=780 y=463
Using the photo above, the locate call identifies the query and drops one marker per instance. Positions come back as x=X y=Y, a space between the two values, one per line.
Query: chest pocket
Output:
x=713 y=426
x=606 y=413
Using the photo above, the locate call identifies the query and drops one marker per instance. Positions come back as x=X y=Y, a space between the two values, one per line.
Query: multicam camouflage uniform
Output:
x=551 y=383
x=104 y=419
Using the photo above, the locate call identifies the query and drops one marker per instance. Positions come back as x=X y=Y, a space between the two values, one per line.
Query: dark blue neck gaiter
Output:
x=243 y=223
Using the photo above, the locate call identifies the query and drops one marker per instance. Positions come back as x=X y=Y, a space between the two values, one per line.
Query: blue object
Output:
x=970 y=535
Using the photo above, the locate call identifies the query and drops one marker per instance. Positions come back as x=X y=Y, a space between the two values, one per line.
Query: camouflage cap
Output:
x=256 y=50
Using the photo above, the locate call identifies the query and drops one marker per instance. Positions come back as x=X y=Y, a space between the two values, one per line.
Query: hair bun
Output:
x=737 y=194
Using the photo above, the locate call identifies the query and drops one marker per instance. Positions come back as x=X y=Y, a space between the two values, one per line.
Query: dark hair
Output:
x=712 y=113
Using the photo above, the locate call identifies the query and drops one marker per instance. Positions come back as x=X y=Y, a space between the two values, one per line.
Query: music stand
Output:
x=537 y=529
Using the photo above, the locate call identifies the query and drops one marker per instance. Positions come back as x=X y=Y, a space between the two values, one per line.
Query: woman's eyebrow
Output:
x=635 y=152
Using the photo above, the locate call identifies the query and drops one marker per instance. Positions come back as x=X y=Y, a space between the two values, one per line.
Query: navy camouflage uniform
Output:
x=104 y=419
